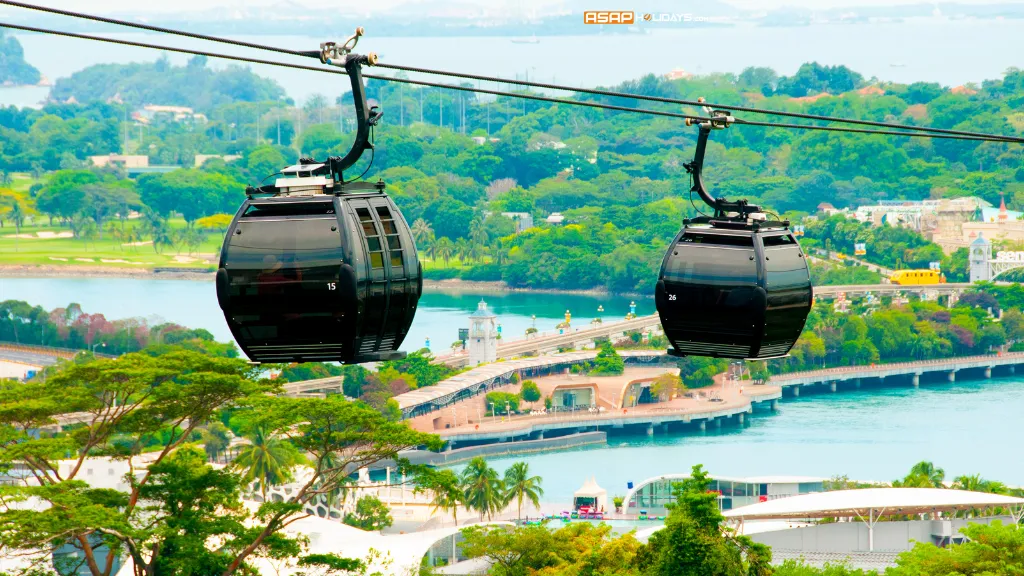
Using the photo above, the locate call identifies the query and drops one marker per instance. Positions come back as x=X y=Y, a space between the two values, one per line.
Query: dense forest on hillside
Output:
x=13 y=67
x=455 y=163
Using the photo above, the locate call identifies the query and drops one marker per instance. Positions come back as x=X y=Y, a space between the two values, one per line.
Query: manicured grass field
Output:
x=48 y=247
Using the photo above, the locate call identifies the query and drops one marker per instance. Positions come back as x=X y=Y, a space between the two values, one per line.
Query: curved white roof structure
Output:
x=868 y=502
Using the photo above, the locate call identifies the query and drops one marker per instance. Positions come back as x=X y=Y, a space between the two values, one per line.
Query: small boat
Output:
x=531 y=40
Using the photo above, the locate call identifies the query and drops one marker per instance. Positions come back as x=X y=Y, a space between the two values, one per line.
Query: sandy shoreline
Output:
x=101 y=272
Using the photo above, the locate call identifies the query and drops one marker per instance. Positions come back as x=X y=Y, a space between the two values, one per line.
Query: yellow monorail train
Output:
x=917 y=277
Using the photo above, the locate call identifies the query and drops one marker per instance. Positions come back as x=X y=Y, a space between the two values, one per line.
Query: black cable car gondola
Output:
x=314 y=268
x=735 y=284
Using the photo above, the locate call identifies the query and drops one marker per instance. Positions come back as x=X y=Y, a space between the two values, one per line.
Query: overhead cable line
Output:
x=682 y=102
x=591 y=91
x=151 y=28
x=521 y=95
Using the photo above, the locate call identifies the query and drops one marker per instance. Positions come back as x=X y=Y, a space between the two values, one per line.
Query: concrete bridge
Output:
x=941 y=289
x=731 y=410
x=318 y=388
x=487 y=377
x=945 y=369
x=576 y=339
x=585 y=337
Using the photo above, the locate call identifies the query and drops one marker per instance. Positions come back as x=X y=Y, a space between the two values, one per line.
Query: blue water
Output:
x=872 y=434
x=194 y=304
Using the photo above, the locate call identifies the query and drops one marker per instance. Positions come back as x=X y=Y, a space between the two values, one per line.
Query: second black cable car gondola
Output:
x=314 y=268
x=735 y=284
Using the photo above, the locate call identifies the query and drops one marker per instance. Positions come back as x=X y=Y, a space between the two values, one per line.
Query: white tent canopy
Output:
x=884 y=501
x=869 y=504
x=591 y=494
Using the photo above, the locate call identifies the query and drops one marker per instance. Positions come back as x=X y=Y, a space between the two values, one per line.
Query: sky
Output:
x=166 y=6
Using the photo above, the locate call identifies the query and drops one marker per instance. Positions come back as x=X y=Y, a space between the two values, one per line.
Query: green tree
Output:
x=994 y=548
x=666 y=385
x=482 y=488
x=694 y=541
x=370 y=514
x=519 y=485
x=173 y=508
x=529 y=391
x=216 y=438
x=608 y=362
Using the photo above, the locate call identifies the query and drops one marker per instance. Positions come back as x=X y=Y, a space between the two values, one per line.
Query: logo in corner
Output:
x=608 y=17
x=647 y=17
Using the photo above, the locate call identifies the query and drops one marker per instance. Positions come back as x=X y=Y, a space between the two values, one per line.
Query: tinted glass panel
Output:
x=785 y=268
x=713 y=266
x=784 y=240
x=717 y=239
x=283 y=278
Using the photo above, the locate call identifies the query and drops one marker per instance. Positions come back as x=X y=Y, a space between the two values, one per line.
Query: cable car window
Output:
x=718 y=239
x=285 y=209
x=373 y=244
x=714 y=266
x=387 y=222
x=286 y=257
x=774 y=241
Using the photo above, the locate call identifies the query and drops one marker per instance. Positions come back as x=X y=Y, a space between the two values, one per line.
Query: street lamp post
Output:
x=493 y=415
x=103 y=344
x=508 y=410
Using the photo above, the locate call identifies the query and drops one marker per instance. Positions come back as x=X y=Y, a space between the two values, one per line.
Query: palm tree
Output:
x=444 y=249
x=448 y=494
x=267 y=460
x=934 y=476
x=17 y=216
x=462 y=250
x=482 y=490
x=478 y=232
x=519 y=485
x=499 y=255
x=421 y=231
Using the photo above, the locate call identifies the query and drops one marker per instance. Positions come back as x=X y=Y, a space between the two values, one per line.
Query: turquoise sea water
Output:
x=872 y=434
x=194 y=304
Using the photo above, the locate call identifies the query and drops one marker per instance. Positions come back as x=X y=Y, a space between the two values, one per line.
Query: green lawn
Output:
x=47 y=247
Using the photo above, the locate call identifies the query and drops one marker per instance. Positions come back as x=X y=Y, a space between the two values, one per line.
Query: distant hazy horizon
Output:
x=378 y=6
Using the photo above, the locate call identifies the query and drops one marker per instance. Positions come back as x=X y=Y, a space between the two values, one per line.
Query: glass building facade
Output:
x=732 y=493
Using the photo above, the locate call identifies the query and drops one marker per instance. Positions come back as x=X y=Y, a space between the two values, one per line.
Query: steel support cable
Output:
x=799 y=115
x=526 y=96
x=678 y=101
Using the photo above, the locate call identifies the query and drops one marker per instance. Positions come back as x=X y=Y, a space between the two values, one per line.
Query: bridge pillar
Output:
x=917 y=380
x=703 y=425
x=540 y=435
x=988 y=372
x=774 y=405
x=448 y=447
x=796 y=390
x=856 y=383
x=952 y=376
x=1013 y=369
x=718 y=422
x=650 y=429
x=833 y=386
x=741 y=418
